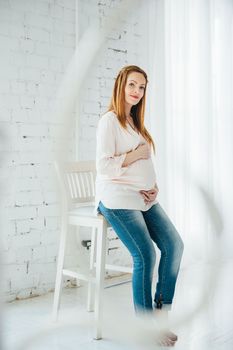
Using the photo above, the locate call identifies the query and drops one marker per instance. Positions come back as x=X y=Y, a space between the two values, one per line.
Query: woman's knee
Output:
x=179 y=245
x=174 y=246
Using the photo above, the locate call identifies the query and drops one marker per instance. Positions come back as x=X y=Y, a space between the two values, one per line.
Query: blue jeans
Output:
x=138 y=230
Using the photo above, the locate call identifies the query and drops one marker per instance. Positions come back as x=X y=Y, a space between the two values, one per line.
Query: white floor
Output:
x=202 y=317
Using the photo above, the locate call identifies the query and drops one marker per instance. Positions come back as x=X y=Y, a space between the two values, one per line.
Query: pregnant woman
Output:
x=126 y=195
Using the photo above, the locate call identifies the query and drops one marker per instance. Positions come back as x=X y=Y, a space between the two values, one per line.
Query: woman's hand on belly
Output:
x=149 y=195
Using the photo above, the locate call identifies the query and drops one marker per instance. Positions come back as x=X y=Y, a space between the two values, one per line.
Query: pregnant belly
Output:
x=139 y=175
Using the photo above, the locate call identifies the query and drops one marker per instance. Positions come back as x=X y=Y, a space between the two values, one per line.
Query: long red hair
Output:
x=117 y=104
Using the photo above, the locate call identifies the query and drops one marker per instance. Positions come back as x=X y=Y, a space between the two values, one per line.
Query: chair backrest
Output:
x=77 y=181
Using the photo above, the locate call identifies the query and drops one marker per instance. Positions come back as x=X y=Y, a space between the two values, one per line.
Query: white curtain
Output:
x=191 y=115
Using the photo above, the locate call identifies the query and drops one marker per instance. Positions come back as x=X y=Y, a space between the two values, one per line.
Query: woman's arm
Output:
x=107 y=163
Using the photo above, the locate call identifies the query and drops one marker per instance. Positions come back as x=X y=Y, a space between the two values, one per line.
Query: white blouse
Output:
x=118 y=187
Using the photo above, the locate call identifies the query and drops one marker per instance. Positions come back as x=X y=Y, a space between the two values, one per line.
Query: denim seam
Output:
x=165 y=261
x=139 y=252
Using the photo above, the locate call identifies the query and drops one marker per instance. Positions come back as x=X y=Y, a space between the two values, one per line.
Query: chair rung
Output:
x=79 y=275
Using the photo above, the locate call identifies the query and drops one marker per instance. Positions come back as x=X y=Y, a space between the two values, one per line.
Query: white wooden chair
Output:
x=77 y=185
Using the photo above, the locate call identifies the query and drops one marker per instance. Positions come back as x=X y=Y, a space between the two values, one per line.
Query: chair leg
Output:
x=60 y=264
x=90 y=303
x=100 y=274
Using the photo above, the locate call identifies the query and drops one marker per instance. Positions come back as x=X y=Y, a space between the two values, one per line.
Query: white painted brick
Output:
x=18 y=87
x=55 y=130
x=22 y=198
x=5 y=115
x=6 y=241
x=8 y=257
x=8 y=43
x=41 y=102
x=58 y=24
x=37 y=223
x=39 y=21
x=23 y=255
x=46 y=275
x=21 y=212
x=38 y=34
x=47 y=76
x=70 y=4
x=33 y=130
x=48 y=210
x=93 y=95
x=5 y=13
x=52 y=223
x=24 y=240
x=4 y=86
x=33 y=144
x=69 y=15
x=51 y=250
x=29 y=198
x=23 y=226
x=26 y=170
x=55 y=64
x=36 y=198
x=56 y=11
x=69 y=27
x=27 y=101
x=9 y=72
x=22 y=281
x=88 y=132
x=30 y=74
x=31 y=157
x=50 y=197
x=36 y=61
x=32 y=88
x=8 y=100
x=43 y=48
x=34 y=115
x=27 y=45
x=21 y=6
x=42 y=7
x=27 y=184
x=90 y=107
x=44 y=170
x=57 y=38
x=4 y=28
x=19 y=115
x=69 y=40
x=17 y=29
x=38 y=254
x=62 y=52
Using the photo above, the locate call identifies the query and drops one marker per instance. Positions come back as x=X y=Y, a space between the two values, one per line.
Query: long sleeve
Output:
x=108 y=164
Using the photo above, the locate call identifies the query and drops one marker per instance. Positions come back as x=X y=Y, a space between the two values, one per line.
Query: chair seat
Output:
x=85 y=215
x=83 y=211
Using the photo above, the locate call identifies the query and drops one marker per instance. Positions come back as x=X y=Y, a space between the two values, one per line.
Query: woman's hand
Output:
x=149 y=195
x=143 y=151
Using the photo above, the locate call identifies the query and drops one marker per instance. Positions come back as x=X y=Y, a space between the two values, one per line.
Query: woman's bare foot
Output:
x=171 y=335
x=166 y=338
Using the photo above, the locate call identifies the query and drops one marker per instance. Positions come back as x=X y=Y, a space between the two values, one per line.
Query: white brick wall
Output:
x=38 y=39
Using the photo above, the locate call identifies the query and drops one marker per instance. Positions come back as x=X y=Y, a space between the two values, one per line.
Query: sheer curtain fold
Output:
x=191 y=94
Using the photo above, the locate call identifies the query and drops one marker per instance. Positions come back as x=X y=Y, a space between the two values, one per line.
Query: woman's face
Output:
x=134 y=88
